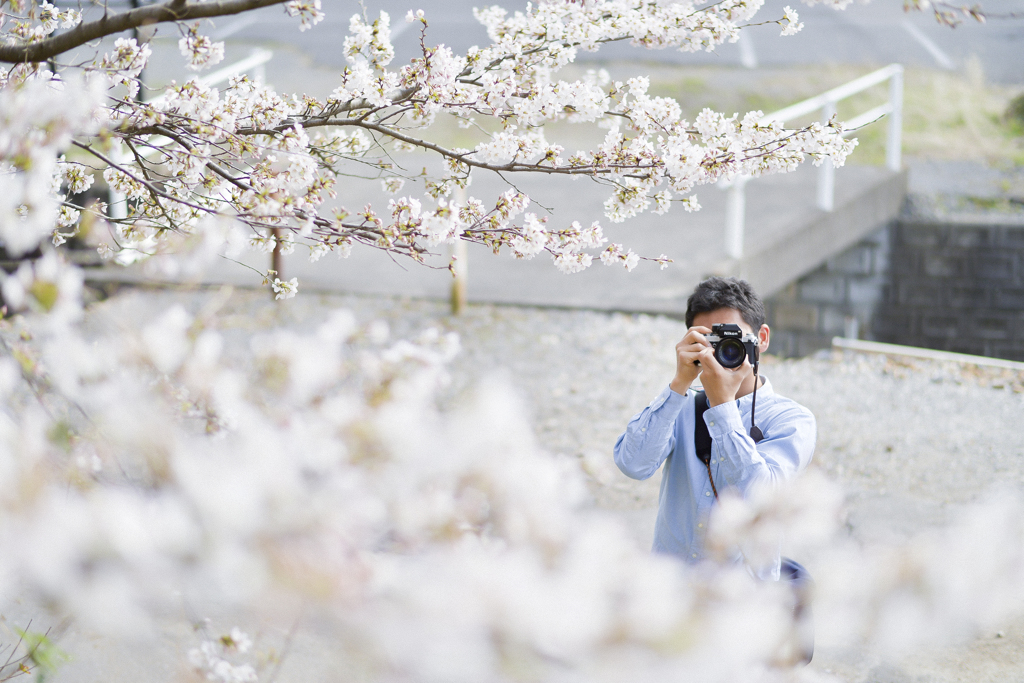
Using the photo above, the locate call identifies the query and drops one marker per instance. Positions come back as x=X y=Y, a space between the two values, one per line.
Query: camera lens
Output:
x=730 y=353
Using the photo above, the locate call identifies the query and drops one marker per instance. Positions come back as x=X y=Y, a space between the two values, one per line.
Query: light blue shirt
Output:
x=663 y=433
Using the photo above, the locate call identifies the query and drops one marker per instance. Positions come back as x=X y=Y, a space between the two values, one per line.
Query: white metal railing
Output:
x=826 y=104
x=864 y=346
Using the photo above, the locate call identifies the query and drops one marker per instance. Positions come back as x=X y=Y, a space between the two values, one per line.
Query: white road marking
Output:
x=400 y=29
x=748 y=57
x=247 y=21
x=934 y=50
x=234 y=27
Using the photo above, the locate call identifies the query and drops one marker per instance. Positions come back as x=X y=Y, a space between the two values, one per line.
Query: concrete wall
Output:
x=839 y=298
x=955 y=286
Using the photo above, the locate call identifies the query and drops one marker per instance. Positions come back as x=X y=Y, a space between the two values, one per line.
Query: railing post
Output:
x=894 y=140
x=827 y=171
x=735 y=218
x=117 y=207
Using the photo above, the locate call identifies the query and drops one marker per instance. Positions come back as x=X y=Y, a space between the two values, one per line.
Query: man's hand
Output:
x=721 y=384
x=688 y=355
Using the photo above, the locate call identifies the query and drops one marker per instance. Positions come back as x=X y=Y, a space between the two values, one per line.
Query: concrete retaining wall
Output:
x=839 y=298
x=956 y=286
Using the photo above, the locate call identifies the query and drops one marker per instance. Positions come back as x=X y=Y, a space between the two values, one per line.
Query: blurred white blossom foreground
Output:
x=147 y=468
x=312 y=471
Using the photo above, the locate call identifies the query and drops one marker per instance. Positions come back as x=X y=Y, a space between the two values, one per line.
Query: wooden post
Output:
x=459 y=282
x=461 y=266
x=275 y=258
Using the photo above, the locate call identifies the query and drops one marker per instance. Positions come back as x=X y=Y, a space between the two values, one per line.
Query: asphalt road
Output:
x=878 y=32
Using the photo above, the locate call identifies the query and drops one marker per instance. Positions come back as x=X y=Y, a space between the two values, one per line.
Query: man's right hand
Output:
x=687 y=356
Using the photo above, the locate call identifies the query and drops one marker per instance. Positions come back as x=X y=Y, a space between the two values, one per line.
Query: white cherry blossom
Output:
x=165 y=462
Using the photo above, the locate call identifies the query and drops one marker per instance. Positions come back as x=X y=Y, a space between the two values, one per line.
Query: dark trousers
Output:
x=803 y=623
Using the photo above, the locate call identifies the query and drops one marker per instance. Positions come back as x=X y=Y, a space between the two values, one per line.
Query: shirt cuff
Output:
x=723 y=418
x=669 y=400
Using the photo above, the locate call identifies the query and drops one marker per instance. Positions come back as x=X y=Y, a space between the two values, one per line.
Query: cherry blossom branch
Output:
x=109 y=24
x=166 y=132
x=153 y=189
x=952 y=14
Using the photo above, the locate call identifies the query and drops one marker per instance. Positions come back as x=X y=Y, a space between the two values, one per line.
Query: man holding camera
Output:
x=713 y=440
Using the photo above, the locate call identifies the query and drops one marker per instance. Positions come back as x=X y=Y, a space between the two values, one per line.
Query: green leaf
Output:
x=42 y=652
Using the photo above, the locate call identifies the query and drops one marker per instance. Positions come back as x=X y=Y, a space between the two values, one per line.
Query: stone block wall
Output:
x=955 y=287
x=949 y=285
x=838 y=299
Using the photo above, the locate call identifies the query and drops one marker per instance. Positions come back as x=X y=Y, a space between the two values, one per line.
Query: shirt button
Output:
x=695 y=554
x=700 y=526
x=643 y=429
x=707 y=493
x=712 y=423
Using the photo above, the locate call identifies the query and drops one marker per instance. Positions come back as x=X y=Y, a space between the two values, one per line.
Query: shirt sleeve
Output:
x=786 y=449
x=650 y=436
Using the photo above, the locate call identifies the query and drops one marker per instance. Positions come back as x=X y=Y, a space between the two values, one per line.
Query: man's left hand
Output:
x=721 y=384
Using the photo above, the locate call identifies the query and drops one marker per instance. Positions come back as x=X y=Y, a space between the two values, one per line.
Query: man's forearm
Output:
x=648 y=438
x=680 y=386
x=717 y=398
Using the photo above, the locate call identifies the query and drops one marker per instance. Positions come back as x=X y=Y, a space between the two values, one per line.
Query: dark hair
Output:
x=726 y=292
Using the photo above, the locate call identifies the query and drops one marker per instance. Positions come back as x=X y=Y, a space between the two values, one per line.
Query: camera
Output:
x=732 y=346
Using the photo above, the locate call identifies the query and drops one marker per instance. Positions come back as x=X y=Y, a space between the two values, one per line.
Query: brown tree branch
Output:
x=153 y=189
x=109 y=24
x=166 y=132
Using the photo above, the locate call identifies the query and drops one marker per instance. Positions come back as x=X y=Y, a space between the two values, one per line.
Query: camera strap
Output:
x=702 y=441
x=755 y=431
x=701 y=436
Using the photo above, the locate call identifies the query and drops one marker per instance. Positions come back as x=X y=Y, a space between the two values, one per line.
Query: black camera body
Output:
x=732 y=346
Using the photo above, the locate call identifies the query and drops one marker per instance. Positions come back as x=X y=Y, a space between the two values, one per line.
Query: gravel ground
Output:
x=910 y=441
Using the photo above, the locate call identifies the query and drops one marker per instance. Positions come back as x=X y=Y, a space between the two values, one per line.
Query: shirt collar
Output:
x=763 y=391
